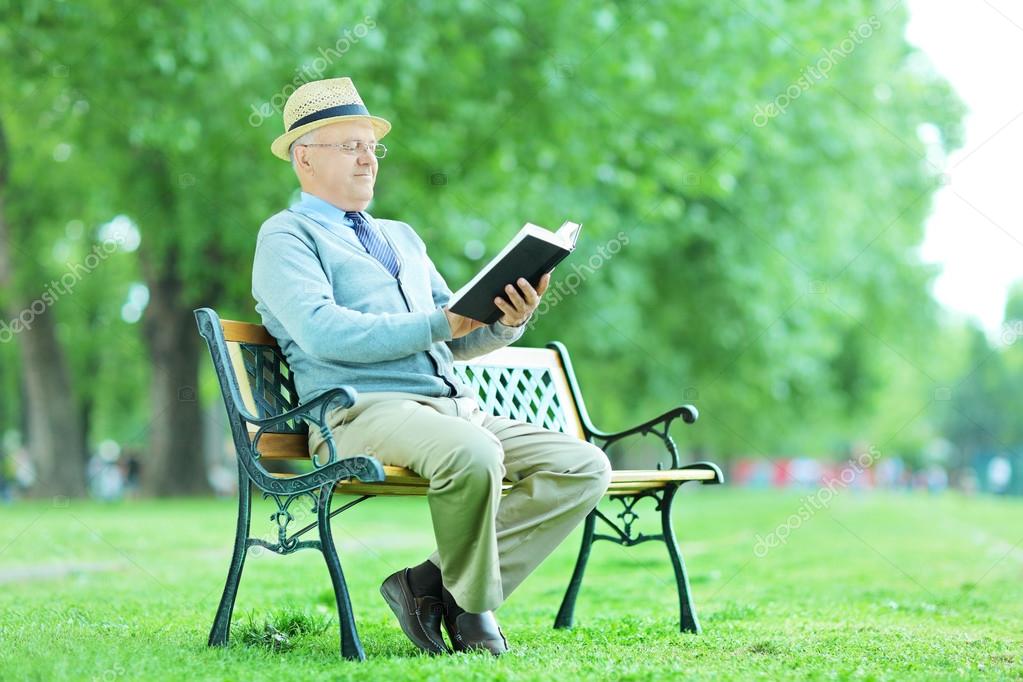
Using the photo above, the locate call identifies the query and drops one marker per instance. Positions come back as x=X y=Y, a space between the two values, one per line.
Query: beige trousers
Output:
x=486 y=544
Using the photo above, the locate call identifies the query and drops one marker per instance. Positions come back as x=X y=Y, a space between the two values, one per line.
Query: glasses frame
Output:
x=352 y=149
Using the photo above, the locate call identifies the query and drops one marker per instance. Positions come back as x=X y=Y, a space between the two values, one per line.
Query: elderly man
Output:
x=356 y=300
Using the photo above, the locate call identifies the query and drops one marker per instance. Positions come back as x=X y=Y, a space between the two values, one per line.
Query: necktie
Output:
x=374 y=242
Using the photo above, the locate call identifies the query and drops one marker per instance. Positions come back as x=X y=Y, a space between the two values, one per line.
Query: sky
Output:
x=975 y=231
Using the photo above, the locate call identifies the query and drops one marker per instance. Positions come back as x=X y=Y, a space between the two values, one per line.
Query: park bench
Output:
x=531 y=384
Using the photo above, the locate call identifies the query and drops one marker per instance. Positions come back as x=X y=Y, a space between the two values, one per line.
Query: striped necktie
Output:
x=374 y=242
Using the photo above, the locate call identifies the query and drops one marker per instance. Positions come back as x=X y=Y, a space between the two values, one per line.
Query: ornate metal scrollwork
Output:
x=283 y=517
x=624 y=534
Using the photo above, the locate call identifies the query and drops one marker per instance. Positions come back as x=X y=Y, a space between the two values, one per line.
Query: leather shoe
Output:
x=419 y=617
x=475 y=632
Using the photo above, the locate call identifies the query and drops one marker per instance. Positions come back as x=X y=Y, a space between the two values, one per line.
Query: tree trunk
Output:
x=55 y=440
x=175 y=464
x=54 y=437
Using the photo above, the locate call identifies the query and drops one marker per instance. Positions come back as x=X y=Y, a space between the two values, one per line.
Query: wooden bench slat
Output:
x=402 y=481
x=282 y=445
x=358 y=488
x=245 y=332
x=630 y=476
x=293 y=446
x=642 y=476
x=380 y=489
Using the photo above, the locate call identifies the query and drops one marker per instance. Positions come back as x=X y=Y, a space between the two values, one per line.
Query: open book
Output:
x=531 y=253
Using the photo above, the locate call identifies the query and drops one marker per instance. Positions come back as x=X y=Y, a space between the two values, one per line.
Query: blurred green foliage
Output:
x=765 y=268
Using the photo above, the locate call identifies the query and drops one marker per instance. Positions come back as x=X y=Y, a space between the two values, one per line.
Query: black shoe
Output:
x=475 y=632
x=419 y=617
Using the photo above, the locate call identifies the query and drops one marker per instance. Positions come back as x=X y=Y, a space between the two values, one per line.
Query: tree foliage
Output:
x=763 y=267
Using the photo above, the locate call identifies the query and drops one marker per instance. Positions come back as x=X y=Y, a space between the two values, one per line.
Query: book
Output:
x=530 y=254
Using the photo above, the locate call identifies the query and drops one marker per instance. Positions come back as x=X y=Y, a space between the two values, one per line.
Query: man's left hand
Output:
x=521 y=302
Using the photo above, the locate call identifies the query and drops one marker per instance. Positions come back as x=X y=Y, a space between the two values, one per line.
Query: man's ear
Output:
x=302 y=161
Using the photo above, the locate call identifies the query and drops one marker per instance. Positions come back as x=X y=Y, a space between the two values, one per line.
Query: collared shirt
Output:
x=330 y=216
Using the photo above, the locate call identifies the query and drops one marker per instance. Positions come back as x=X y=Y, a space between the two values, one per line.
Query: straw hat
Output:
x=320 y=103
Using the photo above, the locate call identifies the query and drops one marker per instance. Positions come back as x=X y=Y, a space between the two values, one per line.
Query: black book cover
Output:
x=530 y=255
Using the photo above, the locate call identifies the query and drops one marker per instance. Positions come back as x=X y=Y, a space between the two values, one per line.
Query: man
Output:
x=356 y=300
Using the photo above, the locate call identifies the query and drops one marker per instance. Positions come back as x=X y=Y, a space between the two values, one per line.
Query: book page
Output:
x=568 y=233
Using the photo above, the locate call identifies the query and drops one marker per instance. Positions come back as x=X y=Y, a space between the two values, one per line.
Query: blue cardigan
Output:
x=341 y=318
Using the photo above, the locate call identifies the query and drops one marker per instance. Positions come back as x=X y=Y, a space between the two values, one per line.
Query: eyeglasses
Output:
x=354 y=149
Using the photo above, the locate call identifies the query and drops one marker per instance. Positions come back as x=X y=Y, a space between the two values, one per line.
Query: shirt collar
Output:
x=328 y=211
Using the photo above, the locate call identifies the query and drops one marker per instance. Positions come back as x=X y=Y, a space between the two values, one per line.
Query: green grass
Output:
x=279 y=631
x=874 y=587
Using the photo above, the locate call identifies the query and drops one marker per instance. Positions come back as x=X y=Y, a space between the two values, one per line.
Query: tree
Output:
x=27 y=216
x=169 y=94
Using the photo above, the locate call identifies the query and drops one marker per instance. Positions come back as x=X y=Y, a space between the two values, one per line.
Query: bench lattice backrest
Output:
x=527 y=384
x=270 y=382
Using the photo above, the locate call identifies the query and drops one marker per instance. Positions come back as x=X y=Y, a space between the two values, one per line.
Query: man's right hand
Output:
x=461 y=325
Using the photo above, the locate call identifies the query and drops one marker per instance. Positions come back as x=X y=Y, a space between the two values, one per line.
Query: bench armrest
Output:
x=362 y=467
x=689 y=415
x=366 y=469
x=238 y=413
x=344 y=396
x=659 y=426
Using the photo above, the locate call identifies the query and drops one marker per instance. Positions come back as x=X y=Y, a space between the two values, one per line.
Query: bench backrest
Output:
x=530 y=384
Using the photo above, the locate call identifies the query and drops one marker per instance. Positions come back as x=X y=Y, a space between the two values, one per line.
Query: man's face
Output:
x=346 y=180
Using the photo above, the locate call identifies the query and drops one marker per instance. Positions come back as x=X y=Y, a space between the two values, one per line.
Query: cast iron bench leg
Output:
x=351 y=646
x=222 y=622
x=687 y=613
x=564 y=618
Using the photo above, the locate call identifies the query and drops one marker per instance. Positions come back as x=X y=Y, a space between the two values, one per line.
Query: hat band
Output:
x=330 y=112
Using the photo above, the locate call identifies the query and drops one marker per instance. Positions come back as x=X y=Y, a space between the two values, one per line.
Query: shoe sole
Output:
x=395 y=602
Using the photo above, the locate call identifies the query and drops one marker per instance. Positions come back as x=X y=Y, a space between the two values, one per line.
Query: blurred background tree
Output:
x=765 y=268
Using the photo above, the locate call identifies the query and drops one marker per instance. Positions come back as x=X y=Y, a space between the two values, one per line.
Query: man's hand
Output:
x=461 y=325
x=520 y=306
x=516 y=312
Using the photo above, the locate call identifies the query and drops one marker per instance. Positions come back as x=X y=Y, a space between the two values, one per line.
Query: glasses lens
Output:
x=380 y=151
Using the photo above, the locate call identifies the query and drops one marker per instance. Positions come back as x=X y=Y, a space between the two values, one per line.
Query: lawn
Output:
x=873 y=587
